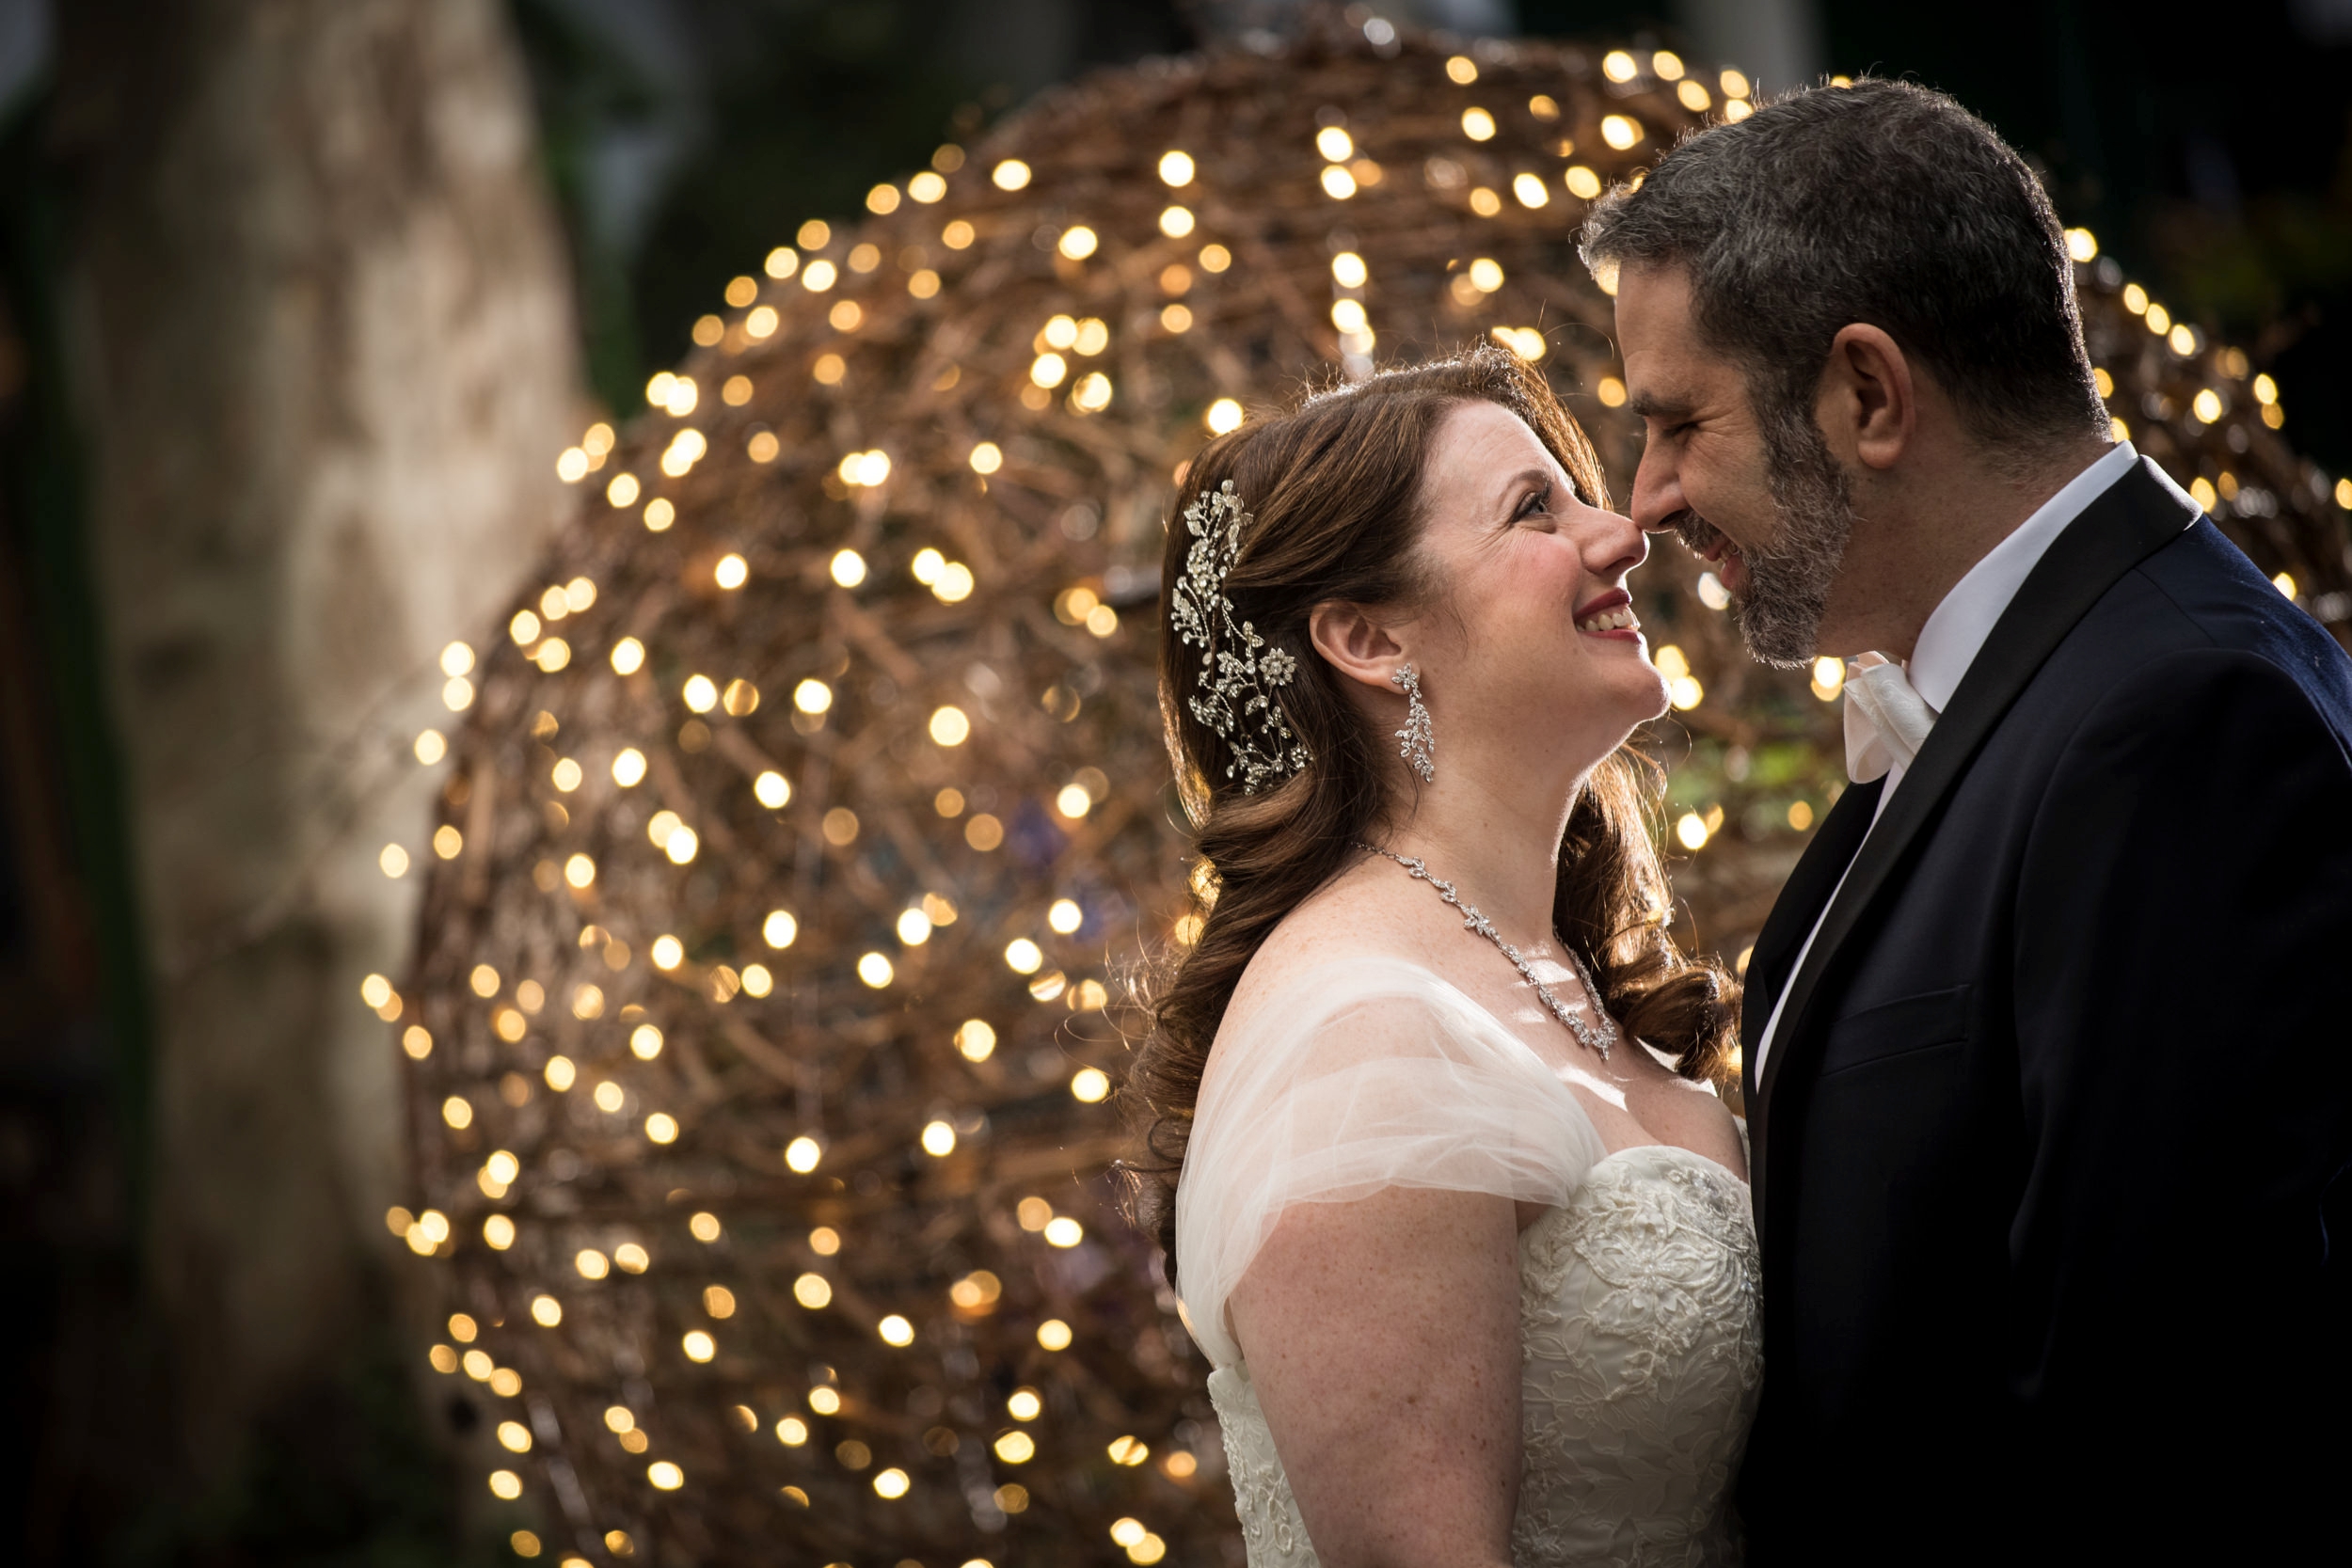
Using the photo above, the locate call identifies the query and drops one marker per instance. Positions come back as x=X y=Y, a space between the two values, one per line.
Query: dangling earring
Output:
x=1417 y=741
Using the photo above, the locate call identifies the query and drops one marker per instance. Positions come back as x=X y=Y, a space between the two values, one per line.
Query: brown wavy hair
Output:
x=1335 y=487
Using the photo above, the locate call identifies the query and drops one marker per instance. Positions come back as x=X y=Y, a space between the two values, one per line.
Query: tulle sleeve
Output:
x=1356 y=1077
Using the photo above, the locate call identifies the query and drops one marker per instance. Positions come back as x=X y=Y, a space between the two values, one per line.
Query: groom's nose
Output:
x=1657 y=498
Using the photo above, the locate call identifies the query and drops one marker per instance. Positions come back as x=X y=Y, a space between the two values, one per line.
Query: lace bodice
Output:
x=1643 y=1356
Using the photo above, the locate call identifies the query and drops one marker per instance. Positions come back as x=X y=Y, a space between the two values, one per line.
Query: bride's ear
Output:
x=1353 y=641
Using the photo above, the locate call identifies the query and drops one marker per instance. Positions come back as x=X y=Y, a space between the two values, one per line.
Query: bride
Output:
x=1451 y=1204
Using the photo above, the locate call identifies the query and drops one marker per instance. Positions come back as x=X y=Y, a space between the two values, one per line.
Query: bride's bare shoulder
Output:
x=1347 y=919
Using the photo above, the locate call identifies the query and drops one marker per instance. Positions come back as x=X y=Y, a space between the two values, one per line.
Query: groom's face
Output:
x=1765 y=507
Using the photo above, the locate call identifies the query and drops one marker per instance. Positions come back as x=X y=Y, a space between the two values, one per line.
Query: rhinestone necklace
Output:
x=1595 y=1040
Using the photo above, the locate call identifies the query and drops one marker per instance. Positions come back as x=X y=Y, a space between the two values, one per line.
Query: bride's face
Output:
x=1534 y=647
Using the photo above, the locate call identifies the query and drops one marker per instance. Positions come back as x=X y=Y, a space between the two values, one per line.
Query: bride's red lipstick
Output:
x=1615 y=599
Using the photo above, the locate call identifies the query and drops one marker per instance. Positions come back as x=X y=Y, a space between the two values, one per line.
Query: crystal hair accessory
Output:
x=1240 y=675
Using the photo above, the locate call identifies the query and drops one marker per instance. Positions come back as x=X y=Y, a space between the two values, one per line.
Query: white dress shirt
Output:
x=1955 y=633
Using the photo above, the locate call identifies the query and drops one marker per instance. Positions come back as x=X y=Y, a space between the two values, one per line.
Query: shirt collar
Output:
x=1956 y=631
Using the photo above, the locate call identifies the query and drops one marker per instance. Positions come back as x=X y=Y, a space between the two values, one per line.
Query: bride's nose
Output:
x=1613 y=544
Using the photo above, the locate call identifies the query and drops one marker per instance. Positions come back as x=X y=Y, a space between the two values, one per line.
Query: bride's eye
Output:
x=1537 y=502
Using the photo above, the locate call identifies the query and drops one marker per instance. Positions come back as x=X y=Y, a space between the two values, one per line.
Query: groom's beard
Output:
x=1779 y=612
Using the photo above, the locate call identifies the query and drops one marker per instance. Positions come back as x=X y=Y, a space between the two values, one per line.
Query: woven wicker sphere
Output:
x=805 y=824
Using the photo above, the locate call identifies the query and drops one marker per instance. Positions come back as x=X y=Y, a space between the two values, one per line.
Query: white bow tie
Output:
x=1886 y=721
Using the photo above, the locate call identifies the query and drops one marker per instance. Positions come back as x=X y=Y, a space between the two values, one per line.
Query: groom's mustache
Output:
x=1697 y=532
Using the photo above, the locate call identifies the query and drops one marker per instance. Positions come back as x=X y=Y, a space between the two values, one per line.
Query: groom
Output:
x=2045 y=1043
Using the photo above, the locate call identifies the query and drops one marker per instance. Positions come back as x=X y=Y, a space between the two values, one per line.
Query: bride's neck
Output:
x=1499 y=848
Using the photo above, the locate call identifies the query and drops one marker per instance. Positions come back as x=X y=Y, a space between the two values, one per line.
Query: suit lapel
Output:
x=1792 y=915
x=2131 y=520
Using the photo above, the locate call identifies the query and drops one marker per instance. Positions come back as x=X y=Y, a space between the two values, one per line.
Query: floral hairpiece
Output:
x=1240 y=675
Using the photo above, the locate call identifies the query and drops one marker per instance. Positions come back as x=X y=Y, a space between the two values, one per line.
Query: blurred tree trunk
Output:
x=319 y=327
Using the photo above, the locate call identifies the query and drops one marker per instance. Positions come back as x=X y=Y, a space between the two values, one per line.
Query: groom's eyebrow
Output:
x=1652 y=405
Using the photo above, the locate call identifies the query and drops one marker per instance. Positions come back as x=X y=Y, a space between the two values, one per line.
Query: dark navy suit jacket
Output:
x=2050 y=1152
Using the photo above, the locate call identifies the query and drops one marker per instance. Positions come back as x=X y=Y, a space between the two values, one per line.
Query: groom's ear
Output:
x=1353 y=641
x=1868 y=404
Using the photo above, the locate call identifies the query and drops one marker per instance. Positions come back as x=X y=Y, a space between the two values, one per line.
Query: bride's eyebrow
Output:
x=1540 y=478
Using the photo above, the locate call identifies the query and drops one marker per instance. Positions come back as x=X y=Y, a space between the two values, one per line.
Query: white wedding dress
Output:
x=1638 y=1288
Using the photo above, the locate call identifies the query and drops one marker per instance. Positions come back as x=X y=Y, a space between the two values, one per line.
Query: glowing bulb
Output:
x=1176 y=168
x=1063 y=1231
x=771 y=789
x=629 y=768
x=1620 y=131
x=699 y=1346
x=732 y=572
x=848 y=568
x=915 y=927
x=1090 y=1085
x=1053 y=1334
x=1024 y=956
x=814 y=1292
x=1010 y=175
x=896 y=1330
x=645 y=1042
x=801 y=1154
x=812 y=696
x=875 y=970
x=1478 y=125
x=780 y=928
x=987 y=457
x=974 y=1039
x=1224 y=415
x=667 y=952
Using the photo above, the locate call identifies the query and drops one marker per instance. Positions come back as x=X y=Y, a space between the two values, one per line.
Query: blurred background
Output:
x=299 y=301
